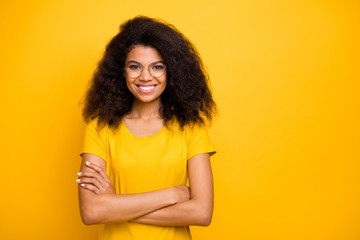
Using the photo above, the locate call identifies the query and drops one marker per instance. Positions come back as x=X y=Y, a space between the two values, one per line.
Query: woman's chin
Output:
x=146 y=99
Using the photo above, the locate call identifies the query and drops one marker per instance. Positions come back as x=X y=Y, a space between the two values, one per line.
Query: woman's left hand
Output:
x=96 y=181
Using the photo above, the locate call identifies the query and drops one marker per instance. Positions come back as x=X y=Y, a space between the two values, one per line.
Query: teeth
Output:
x=147 y=88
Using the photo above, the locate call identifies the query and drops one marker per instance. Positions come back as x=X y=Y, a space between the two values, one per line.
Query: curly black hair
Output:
x=187 y=96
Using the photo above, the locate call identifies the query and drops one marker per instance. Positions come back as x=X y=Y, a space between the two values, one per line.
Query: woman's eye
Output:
x=158 y=67
x=135 y=67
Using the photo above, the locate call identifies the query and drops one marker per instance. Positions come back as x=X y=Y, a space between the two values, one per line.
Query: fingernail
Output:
x=77 y=180
x=83 y=184
x=79 y=173
x=87 y=163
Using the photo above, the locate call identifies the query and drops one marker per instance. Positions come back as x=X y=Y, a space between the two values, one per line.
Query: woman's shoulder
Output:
x=94 y=125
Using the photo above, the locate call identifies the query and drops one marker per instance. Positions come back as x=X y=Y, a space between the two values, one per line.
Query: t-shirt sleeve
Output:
x=94 y=141
x=199 y=142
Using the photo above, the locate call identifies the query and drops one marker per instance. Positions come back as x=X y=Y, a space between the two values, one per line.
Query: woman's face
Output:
x=145 y=73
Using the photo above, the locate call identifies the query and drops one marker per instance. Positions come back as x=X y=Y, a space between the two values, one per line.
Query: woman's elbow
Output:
x=206 y=220
x=87 y=221
x=89 y=216
x=204 y=217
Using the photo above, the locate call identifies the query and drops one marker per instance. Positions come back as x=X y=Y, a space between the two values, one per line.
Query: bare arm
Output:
x=196 y=211
x=111 y=207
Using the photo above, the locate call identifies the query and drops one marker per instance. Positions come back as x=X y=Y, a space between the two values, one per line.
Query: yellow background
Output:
x=285 y=75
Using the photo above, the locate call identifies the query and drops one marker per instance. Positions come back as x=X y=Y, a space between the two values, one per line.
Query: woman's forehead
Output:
x=143 y=55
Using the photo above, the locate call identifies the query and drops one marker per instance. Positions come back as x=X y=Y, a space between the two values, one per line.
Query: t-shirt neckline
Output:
x=129 y=133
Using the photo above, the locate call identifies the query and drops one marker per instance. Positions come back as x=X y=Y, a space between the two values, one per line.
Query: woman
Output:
x=145 y=137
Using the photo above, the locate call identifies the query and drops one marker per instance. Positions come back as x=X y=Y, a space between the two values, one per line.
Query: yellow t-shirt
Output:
x=142 y=164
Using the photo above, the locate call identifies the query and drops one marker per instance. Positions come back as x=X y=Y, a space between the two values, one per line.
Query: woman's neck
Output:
x=145 y=110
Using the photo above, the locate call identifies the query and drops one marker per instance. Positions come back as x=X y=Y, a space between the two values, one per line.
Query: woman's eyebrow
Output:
x=133 y=61
x=158 y=62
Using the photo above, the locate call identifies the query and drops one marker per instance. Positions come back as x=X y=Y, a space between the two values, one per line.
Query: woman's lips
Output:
x=146 y=89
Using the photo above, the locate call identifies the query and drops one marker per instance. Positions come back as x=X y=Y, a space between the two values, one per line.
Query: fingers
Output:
x=98 y=169
x=93 y=181
x=94 y=175
x=90 y=187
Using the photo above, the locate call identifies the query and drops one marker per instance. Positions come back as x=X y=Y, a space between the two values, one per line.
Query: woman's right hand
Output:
x=182 y=193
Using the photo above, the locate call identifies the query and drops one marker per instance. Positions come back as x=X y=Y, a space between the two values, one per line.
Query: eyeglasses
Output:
x=134 y=69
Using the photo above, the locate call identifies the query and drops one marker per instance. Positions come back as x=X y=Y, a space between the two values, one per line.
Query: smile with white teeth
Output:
x=146 y=88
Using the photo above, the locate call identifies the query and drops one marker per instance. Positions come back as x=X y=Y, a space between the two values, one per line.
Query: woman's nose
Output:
x=145 y=74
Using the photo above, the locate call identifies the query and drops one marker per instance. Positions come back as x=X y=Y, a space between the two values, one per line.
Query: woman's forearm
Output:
x=196 y=211
x=99 y=204
x=190 y=212
x=111 y=208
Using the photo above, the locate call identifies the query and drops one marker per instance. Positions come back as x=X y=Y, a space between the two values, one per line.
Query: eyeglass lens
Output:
x=135 y=70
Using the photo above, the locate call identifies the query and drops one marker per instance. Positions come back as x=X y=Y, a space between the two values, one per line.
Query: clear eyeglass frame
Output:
x=134 y=73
